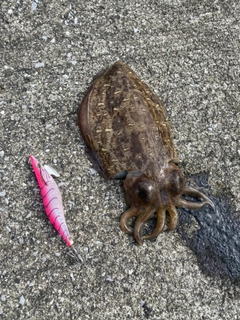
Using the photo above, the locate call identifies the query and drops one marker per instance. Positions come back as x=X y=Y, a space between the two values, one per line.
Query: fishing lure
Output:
x=128 y=136
x=52 y=200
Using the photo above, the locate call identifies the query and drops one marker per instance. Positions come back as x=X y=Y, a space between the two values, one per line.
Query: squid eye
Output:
x=143 y=192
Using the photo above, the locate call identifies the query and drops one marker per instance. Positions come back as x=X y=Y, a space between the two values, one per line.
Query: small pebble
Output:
x=34 y=5
x=93 y=171
x=22 y=300
x=28 y=215
x=39 y=65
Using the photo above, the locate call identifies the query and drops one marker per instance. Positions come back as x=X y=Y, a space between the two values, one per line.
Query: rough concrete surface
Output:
x=188 y=53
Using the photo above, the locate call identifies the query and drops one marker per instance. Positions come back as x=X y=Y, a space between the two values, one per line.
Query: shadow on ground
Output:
x=215 y=239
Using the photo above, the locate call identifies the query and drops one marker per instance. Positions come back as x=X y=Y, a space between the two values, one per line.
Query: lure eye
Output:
x=38 y=165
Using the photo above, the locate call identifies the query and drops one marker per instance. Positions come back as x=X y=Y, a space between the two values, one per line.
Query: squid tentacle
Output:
x=190 y=205
x=130 y=213
x=143 y=217
x=173 y=218
x=190 y=191
x=161 y=218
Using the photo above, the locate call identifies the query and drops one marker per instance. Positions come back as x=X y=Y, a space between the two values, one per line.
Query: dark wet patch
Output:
x=213 y=235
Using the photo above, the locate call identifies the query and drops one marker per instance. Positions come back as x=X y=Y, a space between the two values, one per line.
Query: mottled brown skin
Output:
x=127 y=134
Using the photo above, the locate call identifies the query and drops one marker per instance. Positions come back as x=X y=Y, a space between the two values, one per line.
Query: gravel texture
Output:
x=188 y=52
